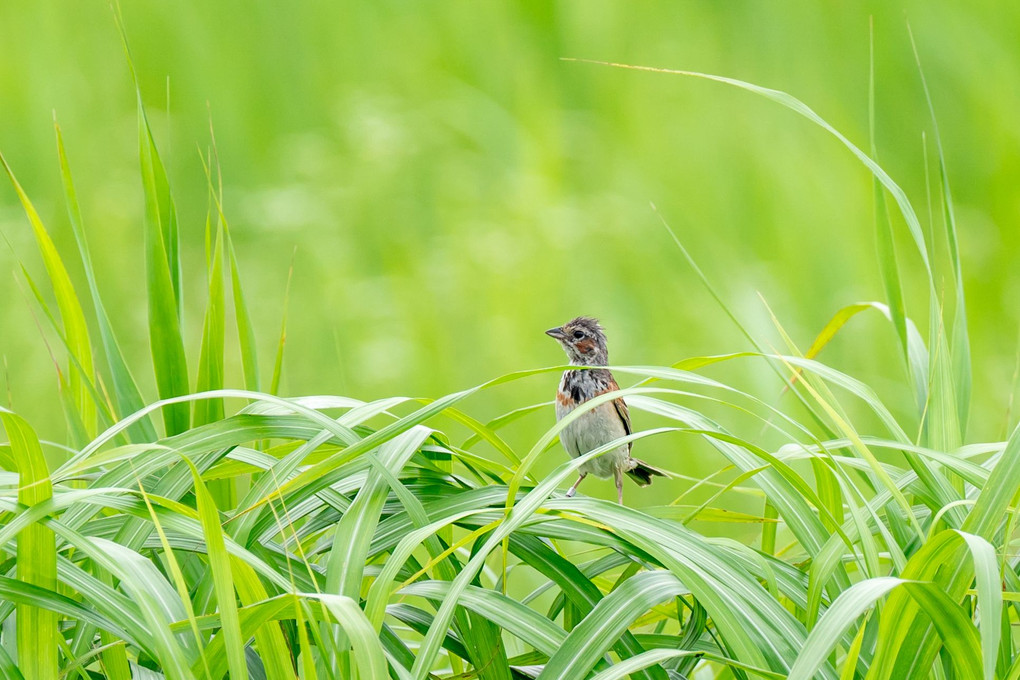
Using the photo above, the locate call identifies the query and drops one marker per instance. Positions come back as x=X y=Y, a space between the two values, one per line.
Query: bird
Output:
x=584 y=341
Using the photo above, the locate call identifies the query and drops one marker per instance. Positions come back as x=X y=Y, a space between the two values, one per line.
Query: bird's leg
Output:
x=573 y=489
x=618 y=474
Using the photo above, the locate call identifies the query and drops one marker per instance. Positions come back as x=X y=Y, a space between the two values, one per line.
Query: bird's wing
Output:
x=621 y=407
x=621 y=410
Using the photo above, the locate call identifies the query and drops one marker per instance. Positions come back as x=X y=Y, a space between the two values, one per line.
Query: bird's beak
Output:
x=556 y=333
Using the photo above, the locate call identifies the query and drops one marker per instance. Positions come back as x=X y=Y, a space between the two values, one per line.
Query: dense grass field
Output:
x=208 y=469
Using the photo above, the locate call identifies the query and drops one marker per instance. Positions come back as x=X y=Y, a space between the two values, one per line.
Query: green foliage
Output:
x=35 y=558
x=328 y=537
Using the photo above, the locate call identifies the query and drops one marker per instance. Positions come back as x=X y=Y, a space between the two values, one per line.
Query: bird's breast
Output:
x=598 y=426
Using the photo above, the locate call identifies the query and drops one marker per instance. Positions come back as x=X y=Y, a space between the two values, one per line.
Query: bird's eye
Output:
x=578 y=335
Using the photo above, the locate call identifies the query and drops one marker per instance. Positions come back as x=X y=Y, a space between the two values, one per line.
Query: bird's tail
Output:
x=642 y=473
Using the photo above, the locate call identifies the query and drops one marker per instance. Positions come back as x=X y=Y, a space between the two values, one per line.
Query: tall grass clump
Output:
x=229 y=532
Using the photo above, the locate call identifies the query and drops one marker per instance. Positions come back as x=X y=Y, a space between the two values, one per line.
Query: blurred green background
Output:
x=449 y=187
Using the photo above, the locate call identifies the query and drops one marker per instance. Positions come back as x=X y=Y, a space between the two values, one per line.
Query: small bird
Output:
x=585 y=344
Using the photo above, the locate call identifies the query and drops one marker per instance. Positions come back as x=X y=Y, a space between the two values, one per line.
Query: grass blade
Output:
x=162 y=264
x=210 y=364
x=126 y=393
x=37 y=631
x=75 y=329
x=165 y=336
x=885 y=243
x=368 y=653
x=608 y=620
x=961 y=359
x=274 y=385
x=223 y=582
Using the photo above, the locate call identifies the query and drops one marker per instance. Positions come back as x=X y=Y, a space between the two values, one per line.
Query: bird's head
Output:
x=583 y=340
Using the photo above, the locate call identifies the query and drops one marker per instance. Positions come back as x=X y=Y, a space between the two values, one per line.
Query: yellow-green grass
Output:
x=226 y=529
x=234 y=531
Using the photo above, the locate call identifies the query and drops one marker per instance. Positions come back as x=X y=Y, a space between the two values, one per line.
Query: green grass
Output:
x=221 y=530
